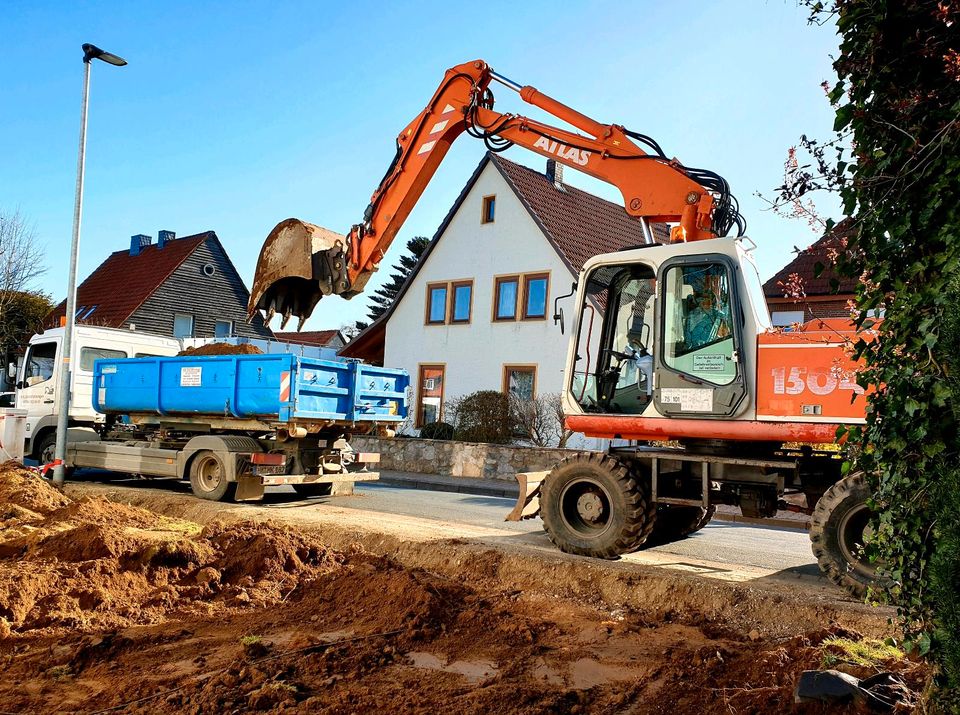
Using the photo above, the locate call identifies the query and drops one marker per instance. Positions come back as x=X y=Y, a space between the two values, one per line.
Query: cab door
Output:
x=699 y=357
x=37 y=388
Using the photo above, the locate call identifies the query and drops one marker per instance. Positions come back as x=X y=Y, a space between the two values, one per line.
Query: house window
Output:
x=783 y=318
x=462 y=302
x=430 y=394
x=505 y=295
x=535 y=288
x=88 y=355
x=182 y=326
x=520 y=381
x=223 y=329
x=437 y=304
x=489 y=209
x=449 y=302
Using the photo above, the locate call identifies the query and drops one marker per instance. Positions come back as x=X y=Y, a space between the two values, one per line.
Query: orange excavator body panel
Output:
x=806 y=389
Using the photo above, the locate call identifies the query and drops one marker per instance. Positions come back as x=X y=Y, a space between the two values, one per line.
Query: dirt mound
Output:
x=20 y=489
x=223 y=349
x=104 y=605
x=92 y=563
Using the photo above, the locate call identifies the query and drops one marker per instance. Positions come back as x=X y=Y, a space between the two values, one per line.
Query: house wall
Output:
x=222 y=296
x=475 y=354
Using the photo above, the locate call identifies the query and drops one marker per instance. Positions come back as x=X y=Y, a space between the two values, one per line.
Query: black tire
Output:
x=46 y=448
x=837 y=530
x=46 y=452
x=313 y=490
x=678 y=522
x=208 y=477
x=594 y=505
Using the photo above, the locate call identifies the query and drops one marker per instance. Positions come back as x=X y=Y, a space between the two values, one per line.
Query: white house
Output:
x=476 y=313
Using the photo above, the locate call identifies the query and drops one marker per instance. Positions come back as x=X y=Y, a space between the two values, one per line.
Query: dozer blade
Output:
x=528 y=503
x=299 y=264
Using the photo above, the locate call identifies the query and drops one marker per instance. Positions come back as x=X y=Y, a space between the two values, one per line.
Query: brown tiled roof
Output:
x=309 y=337
x=804 y=265
x=581 y=225
x=123 y=282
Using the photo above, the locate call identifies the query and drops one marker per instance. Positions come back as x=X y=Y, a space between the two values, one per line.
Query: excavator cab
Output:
x=666 y=331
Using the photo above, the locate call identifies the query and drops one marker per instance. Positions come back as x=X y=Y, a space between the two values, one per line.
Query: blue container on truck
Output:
x=279 y=388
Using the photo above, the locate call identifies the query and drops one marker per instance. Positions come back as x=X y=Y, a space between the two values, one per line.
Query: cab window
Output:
x=698 y=323
x=88 y=355
x=614 y=360
x=39 y=363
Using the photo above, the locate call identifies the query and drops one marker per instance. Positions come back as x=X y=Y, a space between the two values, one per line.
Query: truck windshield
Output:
x=39 y=364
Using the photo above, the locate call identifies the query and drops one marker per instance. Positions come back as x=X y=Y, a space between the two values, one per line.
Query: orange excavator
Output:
x=672 y=357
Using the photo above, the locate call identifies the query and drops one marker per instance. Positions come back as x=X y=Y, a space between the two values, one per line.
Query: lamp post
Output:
x=90 y=53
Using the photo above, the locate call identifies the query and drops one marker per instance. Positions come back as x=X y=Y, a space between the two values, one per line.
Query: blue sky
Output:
x=234 y=115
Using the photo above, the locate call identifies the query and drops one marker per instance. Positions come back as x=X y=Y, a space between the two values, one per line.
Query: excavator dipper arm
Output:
x=301 y=262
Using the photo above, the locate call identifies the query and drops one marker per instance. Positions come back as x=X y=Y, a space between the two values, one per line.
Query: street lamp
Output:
x=90 y=52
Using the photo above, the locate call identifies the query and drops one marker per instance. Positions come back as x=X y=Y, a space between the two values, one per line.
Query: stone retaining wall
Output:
x=459 y=459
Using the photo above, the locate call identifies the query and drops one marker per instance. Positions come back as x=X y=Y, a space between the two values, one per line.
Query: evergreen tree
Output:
x=384 y=296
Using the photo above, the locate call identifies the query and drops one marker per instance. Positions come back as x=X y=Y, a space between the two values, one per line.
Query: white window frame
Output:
x=193 y=325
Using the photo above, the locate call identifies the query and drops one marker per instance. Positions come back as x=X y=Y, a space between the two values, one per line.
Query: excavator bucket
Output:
x=299 y=264
x=528 y=502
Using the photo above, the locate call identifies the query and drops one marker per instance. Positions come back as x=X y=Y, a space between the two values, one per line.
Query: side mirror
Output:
x=558 y=311
x=12 y=370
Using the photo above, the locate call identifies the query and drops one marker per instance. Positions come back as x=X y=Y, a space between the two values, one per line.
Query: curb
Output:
x=507 y=492
x=795 y=524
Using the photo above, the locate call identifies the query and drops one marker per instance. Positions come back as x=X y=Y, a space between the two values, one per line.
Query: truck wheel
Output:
x=47 y=448
x=313 y=490
x=47 y=452
x=208 y=477
x=838 y=530
x=594 y=505
x=678 y=522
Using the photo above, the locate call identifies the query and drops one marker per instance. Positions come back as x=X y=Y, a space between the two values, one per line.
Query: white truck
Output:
x=38 y=379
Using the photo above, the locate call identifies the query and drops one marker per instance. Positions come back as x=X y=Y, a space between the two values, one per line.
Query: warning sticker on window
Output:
x=190 y=376
x=708 y=363
x=689 y=399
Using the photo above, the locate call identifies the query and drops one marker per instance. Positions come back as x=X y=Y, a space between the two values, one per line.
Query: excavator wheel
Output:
x=678 y=522
x=595 y=505
x=838 y=530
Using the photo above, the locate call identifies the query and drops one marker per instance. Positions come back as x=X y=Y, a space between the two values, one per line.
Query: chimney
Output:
x=164 y=237
x=138 y=243
x=555 y=173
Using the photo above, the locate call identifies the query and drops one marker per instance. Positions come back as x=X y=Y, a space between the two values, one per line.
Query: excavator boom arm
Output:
x=301 y=262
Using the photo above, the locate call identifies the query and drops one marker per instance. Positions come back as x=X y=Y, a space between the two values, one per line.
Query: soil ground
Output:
x=111 y=607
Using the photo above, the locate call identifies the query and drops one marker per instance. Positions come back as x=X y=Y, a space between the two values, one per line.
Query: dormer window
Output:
x=489 y=209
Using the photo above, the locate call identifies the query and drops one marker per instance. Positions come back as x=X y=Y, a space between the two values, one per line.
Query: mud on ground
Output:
x=104 y=605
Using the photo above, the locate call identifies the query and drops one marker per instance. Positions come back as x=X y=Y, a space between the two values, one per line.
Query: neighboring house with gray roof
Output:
x=179 y=287
x=476 y=312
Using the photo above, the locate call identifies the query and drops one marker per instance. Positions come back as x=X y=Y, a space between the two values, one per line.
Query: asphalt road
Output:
x=726 y=542
x=720 y=543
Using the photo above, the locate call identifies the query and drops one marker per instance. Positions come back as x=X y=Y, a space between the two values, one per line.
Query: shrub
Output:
x=540 y=420
x=437 y=430
x=483 y=416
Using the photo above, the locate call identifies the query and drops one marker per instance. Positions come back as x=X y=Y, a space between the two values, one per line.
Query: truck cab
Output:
x=38 y=380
